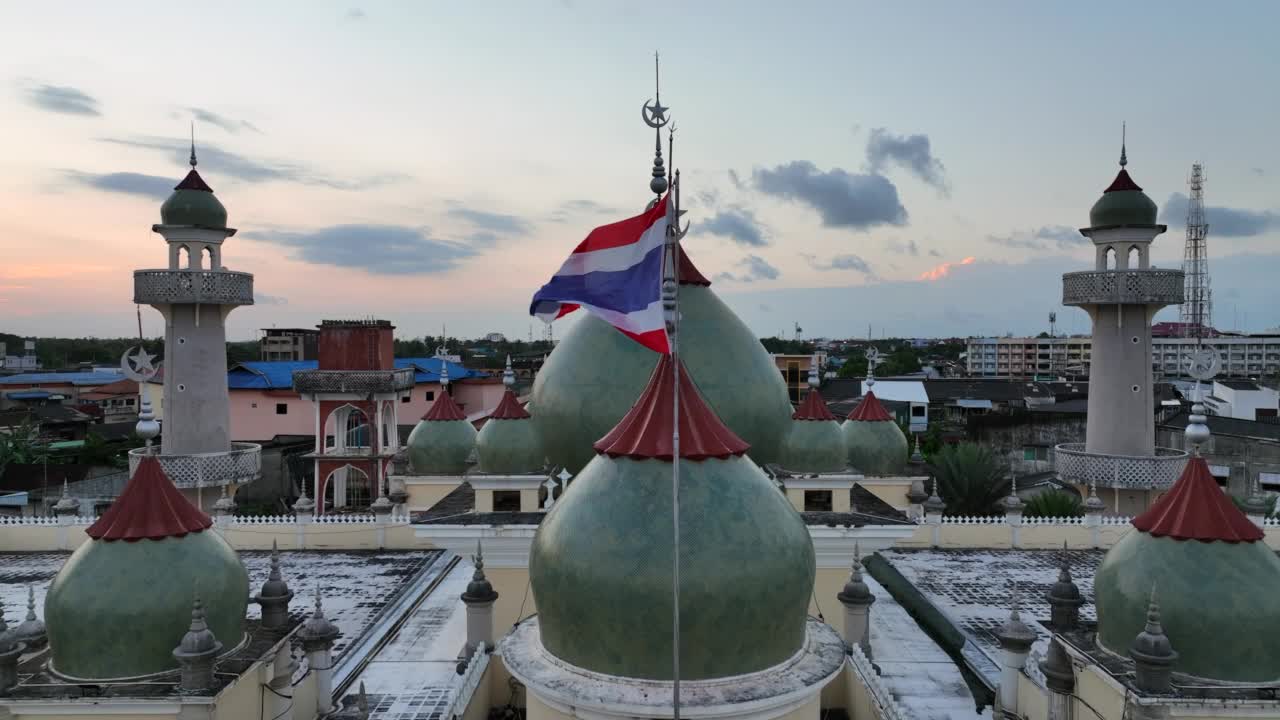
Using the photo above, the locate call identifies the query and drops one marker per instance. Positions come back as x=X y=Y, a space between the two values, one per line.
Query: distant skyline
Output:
x=921 y=168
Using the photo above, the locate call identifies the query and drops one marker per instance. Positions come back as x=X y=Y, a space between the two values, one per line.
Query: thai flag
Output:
x=616 y=275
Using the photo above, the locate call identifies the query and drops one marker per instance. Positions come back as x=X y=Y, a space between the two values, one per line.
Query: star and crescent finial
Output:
x=137 y=365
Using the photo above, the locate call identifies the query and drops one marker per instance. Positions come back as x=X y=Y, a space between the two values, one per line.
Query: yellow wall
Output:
x=304 y=698
x=892 y=490
x=510 y=584
x=858 y=701
x=423 y=496
x=243 y=698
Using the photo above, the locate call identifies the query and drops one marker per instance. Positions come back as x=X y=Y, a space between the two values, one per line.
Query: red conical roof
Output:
x=1197 y=509
x=444 y=409
x=645 y=431
x=1122 y=182
x=509 y=408
x=870 y=410
x=689 y=274
x=813 y=407
x=193 y=181
x=150 y=507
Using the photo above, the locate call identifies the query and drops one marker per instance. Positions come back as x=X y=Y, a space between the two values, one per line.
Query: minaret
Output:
x=1122 y=294
x=195 y=293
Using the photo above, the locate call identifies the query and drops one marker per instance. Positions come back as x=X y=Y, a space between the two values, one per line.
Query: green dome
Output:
x=595 y=373
x=509 y=445
x=1123 y=203
x=600 y=568
x=1217 y=603
x=875 y=447
x=193 y=203
x=441 y=447
x=118 y=608
x=815 y=446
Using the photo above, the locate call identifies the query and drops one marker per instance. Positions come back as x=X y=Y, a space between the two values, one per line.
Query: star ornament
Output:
x=138 y=366
x=657 y=114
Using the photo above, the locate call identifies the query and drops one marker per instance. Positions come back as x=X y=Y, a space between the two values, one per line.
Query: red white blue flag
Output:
x=616 y=275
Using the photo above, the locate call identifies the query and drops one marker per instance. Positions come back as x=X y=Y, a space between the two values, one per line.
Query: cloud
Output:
x=842 y=199
x=934 y=253
x=708 y=198
x=376 y=249
x=491 y=223
x=736 y=224
x=222 y=162
x=841 y=262
x=735 y=180
x=221 y=121
x=910 y=152
x=1042 y=238
x=62 y=99
x=1258 y=171
x=944 y=269
x=904 y=248
x=356 y=14
x=129 y=183
x=754 y=268
x=1223 y=221
x=570 y=208
x=265 y=299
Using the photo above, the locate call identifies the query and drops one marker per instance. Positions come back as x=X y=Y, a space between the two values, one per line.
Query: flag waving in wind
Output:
x=616 y=275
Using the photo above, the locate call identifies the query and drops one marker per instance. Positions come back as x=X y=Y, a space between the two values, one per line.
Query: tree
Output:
x=972 y=479
x=854 y=367
x=22 y=444
x=1053 y=504
x=900 y=362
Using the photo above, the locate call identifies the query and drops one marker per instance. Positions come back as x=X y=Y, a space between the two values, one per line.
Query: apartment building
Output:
x=1024 y=357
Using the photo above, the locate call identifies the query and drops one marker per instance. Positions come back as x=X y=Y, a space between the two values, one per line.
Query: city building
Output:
x=1243 y=356
x=112 y=403
x=795 y=371
x=26 y=362
x=288 y=344
x=51 y=387
x=1243 y=400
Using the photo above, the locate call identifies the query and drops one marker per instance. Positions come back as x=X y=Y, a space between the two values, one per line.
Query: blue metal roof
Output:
x=278 y=374
x=63 y=378
x=28 y=395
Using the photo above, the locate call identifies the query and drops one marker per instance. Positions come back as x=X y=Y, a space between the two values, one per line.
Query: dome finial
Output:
x=813 y=372
x=1124 y=159
x=655 y=116
x=509 y=375
x=872 y=354
x=192 y=160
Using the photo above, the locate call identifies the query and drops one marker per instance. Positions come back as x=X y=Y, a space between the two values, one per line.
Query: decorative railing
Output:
x=213 y=287
x=353 y=381
x=1135 y=472
x=468 y=683
x=1103 y=287
x=880 y=695
x=242 y=464
x=44 y=521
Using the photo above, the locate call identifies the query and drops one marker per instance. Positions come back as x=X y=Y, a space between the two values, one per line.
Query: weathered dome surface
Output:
x=119 y=606
x=874 y=441
x=1123 y=203
x=815 y=443
x=441 y=443
x=1217 y=587
x=601 y=566
x=590 y=380
x=508 y=442
x=193 y=203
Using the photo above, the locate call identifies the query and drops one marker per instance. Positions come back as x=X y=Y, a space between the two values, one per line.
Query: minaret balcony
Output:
x=1125 y=472
x=1122 y=287
x=363 y=382
x=204 y=287
x=239 y=465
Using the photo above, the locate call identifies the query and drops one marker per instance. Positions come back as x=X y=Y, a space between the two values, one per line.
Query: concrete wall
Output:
x=195 y=387
x=1120 y=421
x=242 y=536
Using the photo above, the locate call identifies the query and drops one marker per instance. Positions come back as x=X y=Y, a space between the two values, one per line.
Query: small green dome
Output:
x=875 y=443
x=441 y=447
x=815 y=446
x=590 y=380
x=508 y=442
x=118 y=608
x=600 y=569
x=1217 y=603
x=1123 y=203
x=193 y=203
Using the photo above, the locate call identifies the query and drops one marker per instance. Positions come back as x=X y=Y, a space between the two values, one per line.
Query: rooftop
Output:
x=76 y=379
x=278 y=374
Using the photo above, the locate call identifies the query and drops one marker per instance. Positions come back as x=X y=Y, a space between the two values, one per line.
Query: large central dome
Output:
x=595 y=374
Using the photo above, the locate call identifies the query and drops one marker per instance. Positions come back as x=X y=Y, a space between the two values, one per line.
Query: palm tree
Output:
x=1053 y=504
x=971 y=479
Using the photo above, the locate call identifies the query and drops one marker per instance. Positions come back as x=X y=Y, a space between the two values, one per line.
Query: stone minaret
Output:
x=195 y=293
x=857 y=600
x=318 y=635
x=479 y=598
x=275 y=595
x=1121 y=294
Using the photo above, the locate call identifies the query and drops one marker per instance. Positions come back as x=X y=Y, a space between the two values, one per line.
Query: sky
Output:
x=904 y=169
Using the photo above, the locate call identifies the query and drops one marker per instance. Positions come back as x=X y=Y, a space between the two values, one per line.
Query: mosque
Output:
x=819 y=576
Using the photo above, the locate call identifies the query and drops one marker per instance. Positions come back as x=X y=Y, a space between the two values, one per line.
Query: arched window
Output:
x=1135 y=257
x=357 y=429
x=207 y=252
x=1110 y=263
x=184 y=257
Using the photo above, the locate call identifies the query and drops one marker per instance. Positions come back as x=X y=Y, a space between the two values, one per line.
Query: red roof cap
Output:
x=1122 y=182
x=444 y=409
x=645 y=432
x=1197 y=509
x=193 y=181
x=150 y=507
x=509 y=408
x=813 y=407
x=870 y=410
x=689 y=274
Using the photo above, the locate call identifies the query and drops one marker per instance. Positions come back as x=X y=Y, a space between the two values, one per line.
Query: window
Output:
x=431 y=395
x=404 y=399
x=1032 y=453
x=506 y=501
x=282 y=408
x=817 y=501
x=129 y=402
x=917 y=411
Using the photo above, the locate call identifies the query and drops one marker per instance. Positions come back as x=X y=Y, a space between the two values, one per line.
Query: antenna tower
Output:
x=798 y=331
x=1196 y=311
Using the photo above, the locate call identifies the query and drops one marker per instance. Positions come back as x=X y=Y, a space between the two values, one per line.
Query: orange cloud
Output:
x=944 y=269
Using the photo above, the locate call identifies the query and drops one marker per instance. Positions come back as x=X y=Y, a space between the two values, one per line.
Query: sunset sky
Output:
x=916 y=167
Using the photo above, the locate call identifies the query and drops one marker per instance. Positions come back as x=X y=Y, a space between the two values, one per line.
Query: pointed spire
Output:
x=8 y=639
x=1152 y=653
x=362 y=702
x=192 y=160
x=655 y=116
x=31 y=631
x=509 y=375
x=1124 y=159
x=66 y=505
x=196 y=653
x=935 y=503
x=1064 y=598
x=479 y=591
x=444 y=373
x=275 y=594
x=1015 y=636
x=814 y=382
x=855 y=591
x=317 y=632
